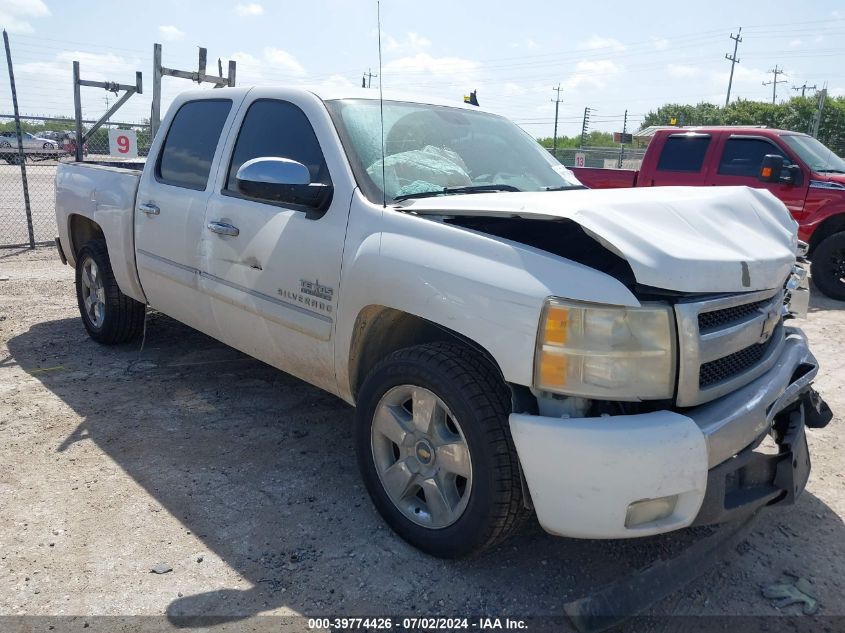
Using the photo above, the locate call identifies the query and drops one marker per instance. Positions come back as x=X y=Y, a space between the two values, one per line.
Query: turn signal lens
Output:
x=557 y=324
x=552 y=367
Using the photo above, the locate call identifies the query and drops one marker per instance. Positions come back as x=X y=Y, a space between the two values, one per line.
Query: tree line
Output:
x=796 y=114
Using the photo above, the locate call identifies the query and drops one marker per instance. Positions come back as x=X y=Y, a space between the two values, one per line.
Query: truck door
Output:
x=681 y=160
x=271 y=269
x=739 y=164
x=170 y=208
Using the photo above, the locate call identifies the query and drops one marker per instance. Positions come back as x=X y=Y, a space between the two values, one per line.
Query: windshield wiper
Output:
x=453 y=190
x=831 y=171
x=565 y=188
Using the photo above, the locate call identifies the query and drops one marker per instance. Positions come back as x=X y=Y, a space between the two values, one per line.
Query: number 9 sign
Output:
x=123 y=143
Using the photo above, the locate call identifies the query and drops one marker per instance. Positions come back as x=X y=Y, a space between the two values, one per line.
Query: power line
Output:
x=734 y=61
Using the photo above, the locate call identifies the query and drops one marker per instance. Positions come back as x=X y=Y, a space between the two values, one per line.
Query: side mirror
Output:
x=794 y=176
x=282 y=180
x=771 y=168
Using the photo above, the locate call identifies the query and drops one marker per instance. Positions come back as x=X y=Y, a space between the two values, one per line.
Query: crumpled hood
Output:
x=687 y=239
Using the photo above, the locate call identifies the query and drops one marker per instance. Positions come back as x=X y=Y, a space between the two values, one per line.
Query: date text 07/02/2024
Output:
x=416 y=623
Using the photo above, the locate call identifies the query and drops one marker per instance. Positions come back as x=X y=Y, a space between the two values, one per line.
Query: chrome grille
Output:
x=726 y=343
x=727 y=316
x=732 y=365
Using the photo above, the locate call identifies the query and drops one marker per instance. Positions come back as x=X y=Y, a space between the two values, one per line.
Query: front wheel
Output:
x=109 y=316
x=828 y=266
x=435 y=451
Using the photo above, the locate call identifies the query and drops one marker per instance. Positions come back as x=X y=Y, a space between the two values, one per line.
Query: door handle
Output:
x=150 y=208
x=222 y=228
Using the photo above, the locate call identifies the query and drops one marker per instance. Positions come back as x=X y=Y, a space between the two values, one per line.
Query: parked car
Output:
x=68 y=144
x=30 y=141
x=811 y=182
x=511 y=340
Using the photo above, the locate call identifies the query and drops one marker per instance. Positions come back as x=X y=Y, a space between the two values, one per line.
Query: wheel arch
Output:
x=82 y=229
x=379 y=331
x=830 y=226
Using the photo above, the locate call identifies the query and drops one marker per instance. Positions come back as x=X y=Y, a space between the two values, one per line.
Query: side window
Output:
x=743 y=156
x=683 y=153
x=188 y=150
x=281 y=130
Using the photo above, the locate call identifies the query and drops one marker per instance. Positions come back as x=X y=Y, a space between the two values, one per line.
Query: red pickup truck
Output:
x=804 y=174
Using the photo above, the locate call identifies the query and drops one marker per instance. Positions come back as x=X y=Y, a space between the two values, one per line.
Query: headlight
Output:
x=611 y=353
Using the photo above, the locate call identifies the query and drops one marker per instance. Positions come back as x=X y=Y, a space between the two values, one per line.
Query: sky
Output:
x=609 y=56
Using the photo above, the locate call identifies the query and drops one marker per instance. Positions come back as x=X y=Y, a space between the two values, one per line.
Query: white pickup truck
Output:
x=613 y=360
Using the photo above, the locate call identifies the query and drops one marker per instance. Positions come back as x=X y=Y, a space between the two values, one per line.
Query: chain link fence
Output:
x=27 y=206
x=606 y=157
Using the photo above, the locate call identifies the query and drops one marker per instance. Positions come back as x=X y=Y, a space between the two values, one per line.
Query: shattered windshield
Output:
x=435 y=149
x=814 y=154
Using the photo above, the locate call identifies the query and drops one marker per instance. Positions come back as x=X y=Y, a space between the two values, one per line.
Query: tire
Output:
x=476 y=511
x=828 y=266
x=48 y=146
x=109 y=316
x=5 y=145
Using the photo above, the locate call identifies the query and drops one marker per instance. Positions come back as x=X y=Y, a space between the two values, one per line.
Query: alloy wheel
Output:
x=421 y=456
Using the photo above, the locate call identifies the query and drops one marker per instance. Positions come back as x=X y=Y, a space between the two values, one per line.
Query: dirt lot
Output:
x=243 y=480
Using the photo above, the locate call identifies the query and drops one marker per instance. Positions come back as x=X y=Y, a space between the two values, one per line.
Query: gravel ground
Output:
x=242 y=479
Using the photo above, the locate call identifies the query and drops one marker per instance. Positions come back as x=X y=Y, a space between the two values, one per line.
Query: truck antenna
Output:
x=381 y=107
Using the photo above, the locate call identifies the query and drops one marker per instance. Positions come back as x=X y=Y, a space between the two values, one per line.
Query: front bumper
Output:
x=584 y=474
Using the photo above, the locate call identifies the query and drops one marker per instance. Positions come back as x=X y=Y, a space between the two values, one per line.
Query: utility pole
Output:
x=817 y=119
x=622 y=144
x=367 y=79
x=734 y=60
x=21 y=157
x=557 y=105
x=774 y=82
x=585 y=124
x=804 y=88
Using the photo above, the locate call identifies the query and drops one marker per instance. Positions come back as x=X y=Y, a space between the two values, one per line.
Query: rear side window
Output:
x=683 y=153
x=185 y=159
x=744 y=156
x=281 y=130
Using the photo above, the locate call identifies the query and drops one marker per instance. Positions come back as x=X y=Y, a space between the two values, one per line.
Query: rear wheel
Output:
x=828 y=266
x=109 y=316
x=435 y=450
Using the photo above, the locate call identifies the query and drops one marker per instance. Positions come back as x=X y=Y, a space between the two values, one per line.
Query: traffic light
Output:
x=471 y=98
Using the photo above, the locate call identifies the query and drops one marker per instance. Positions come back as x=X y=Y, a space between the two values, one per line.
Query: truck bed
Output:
x=600 y=178
x=103 y=193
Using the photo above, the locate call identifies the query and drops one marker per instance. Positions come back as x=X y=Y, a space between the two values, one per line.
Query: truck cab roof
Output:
x=759 y=130
x=329 y=93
